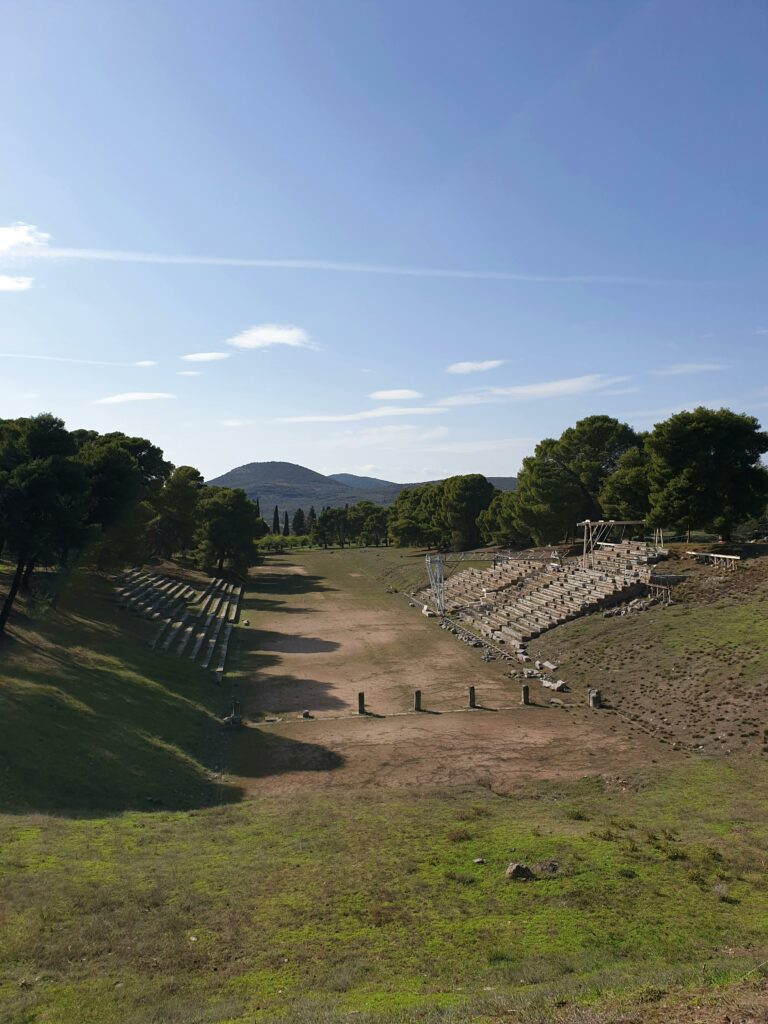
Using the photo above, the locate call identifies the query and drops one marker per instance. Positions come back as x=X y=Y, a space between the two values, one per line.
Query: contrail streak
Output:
x=67 y=359
x=332 y=266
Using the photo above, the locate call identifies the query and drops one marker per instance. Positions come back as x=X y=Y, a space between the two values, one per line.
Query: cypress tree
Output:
x=276 y=522
x=286 y=527
x=299 y=523
x=258 y=508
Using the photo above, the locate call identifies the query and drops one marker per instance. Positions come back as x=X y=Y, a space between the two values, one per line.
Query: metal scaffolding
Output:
x=440 y=566
x=436 y=574
x=596 y=532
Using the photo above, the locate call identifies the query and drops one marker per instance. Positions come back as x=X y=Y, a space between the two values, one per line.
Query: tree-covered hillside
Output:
x=291 y=487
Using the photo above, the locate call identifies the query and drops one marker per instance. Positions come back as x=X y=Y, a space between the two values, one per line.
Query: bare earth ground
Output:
x=322 y=629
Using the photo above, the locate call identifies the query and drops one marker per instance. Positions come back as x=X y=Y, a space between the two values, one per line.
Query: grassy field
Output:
x=298 y=910
x=136 y=887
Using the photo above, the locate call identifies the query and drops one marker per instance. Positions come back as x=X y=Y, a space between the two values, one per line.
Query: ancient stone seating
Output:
x=519 y=599
x=198 y=626
x=473 y=585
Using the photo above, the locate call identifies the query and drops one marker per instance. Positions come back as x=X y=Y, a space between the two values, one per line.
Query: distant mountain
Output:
x=290 y=487
x=361 y=482
x=504 y=483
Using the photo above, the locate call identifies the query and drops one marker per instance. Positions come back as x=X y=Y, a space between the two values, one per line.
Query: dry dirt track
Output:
x=323 y=628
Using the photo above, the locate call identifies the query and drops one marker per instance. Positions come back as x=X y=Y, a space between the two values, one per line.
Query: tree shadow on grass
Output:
x=84 y=733
x=93 y=722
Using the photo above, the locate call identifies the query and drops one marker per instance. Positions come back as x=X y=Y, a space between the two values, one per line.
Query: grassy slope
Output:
x=91 y=720
x=696 y=672
x=307 y=909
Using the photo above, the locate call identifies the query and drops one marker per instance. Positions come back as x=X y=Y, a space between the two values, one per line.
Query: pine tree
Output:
x=286 y=527
x=258 y=508
x=311 y=519
x=276 y=522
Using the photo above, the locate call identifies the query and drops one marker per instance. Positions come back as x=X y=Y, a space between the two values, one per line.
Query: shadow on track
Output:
x=256 y=753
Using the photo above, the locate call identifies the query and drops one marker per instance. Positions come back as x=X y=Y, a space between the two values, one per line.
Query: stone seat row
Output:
x=556 y=599
x=472 y=585
x=153 y=595
x=202 y=631
x=545 y=595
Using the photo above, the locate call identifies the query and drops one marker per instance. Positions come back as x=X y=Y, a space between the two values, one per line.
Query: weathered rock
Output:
x=558 y=685
x=478 y=860
x=519 y=872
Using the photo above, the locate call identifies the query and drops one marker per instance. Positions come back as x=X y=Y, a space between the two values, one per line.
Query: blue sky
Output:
x=412 y=237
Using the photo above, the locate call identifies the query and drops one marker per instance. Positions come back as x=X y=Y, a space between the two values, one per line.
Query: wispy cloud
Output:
x=206 y=357
x=680 y=369
x=381 y=412
x=14 y=284
x=481 y=367
x=656 y=415
x=510 y=444
x=133 y=396
x=26 y=241
x=396 y=394
x=19 y=396
x=479 y=397
x=21 y=238
x=565 y=387
x=395 y=432
x=70 y=359
x=189 y=373
x=762 y=330
x=236 y=423
x=381 y=437
x=267 y=335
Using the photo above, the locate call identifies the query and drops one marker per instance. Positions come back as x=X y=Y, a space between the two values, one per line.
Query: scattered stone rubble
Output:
x=639 y=604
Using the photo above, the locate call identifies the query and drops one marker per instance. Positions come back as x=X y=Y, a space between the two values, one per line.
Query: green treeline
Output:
x=364 y=523
x=66 y=494
x=445 y=514
x=116 y=500
x=696 y=470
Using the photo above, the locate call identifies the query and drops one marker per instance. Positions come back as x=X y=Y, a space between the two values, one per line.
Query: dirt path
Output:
x=323 y=629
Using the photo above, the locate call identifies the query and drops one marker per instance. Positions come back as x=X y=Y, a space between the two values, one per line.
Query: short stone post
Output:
x=525 y=694
x=472 y=700
x=361 y=703
x=417 y=700
x=594 y=698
